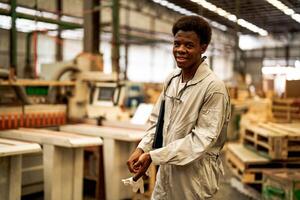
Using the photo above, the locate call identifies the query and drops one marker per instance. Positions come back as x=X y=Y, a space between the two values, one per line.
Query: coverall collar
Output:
x=202 y=72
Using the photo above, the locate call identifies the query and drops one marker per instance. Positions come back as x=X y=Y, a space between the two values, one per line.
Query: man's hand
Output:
x=133 y=159
x=142 y=165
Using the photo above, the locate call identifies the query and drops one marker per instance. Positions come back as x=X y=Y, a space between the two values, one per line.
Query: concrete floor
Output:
x=227 y=192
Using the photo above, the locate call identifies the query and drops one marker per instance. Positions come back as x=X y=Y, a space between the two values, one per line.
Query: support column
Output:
x=59 y=40
x=236 y=47
x=115 y=43
x=91 y=26
x=13 y=39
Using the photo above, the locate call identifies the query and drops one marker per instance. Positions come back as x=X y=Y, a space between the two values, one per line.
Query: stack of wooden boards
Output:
x=265 y=147
x=32 y=116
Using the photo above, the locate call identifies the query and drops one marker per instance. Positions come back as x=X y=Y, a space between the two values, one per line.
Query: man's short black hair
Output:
x=194 y=23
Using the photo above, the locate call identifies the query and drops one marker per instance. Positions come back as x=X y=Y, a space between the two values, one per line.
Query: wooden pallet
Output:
x=272 y=140
x=248 y=166
x=286 y=110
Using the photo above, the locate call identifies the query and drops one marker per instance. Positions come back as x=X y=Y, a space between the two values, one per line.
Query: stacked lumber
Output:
x=32 y=116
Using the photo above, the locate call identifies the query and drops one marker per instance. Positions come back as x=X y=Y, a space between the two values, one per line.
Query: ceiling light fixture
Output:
x=184 y=11
x=285 y=9
x=231 y=17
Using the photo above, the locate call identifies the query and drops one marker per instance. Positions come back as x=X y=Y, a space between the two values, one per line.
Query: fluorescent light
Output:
x=285 y=9
x=231 y=17
x=184 y=11
x=296 y=17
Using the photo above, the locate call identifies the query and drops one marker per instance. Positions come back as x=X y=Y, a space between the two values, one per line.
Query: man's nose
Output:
x=181 y=49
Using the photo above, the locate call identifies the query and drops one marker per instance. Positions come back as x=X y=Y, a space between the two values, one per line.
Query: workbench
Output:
x=10 y=166
x=62 y=160
x=118 y=144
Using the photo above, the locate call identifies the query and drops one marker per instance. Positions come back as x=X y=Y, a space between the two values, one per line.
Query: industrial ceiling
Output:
x=258 y=12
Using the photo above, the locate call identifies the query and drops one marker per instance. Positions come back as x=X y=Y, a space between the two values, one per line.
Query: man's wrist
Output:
x=140 y=150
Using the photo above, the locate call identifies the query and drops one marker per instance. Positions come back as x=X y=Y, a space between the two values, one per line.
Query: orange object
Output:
x=21 y=120
x=16 y=120
x=48 y=119
x=2 y=122
x=64 y=118
x=27 y=120
x=38 y=120
x=43 y=120
x=9 y=125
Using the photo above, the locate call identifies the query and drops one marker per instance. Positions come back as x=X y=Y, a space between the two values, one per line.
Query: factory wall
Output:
x=146 y=62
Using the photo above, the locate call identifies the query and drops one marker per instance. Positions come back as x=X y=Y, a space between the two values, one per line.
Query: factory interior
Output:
x=80 y=78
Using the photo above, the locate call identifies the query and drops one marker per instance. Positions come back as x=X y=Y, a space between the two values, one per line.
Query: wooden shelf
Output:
x=27 y=82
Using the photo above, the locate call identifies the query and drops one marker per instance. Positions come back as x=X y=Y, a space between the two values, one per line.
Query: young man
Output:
x=197 y=111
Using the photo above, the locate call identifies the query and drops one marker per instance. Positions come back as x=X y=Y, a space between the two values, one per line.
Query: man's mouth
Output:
x=181 y=59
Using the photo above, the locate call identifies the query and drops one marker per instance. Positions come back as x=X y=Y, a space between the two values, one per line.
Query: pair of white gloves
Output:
x=136 y=185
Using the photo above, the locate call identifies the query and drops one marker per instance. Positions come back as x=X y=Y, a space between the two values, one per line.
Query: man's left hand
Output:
x=142 y=165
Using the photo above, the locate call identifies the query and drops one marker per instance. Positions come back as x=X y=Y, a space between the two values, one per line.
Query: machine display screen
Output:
x=106 y=93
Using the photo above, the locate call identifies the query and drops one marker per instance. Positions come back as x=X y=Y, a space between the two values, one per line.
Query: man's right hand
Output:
x=133 y=159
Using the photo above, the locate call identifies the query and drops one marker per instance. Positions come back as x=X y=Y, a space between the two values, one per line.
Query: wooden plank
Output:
x=10 y=147
x=51 y=137
x=44 y=108
x=30 y=82
x=77 y=174
x=15 y=178
x=52 y=172
x=245 y=155
x=105 y=132
x=63 y=173
x=4 y=178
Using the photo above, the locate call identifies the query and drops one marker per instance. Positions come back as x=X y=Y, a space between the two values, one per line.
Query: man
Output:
x=197 y=111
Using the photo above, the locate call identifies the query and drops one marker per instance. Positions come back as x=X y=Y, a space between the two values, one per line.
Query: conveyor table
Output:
x=62 y=160
x=10 y=166
x=118 y=144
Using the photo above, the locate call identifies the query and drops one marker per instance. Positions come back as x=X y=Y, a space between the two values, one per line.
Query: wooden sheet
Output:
x=105 y=132
x=56 y=138
x=14 y=147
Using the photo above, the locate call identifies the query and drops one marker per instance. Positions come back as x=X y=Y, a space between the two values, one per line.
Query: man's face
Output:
x=187 y=50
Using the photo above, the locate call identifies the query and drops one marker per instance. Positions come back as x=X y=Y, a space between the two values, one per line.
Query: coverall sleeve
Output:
x=147 y=141
x=211 y=119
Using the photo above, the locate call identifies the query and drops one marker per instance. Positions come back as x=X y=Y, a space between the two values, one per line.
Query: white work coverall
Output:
x=194 y=132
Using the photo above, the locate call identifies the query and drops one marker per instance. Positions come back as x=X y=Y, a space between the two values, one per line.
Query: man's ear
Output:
x=203 y=47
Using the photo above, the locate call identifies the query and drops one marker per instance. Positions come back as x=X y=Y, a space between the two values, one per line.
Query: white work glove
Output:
x=139 y=184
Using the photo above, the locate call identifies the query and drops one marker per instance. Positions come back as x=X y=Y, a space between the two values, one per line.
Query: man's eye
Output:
x=189 y=46
x=176 y=44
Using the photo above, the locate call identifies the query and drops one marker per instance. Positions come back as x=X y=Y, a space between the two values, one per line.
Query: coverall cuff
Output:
x=144 y=148
x=155 y=157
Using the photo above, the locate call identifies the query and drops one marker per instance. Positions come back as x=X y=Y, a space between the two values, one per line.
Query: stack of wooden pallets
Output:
x=264 y=147
x=286 y=110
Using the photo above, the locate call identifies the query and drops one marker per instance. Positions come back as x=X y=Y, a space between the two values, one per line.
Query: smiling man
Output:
x=196 y=114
